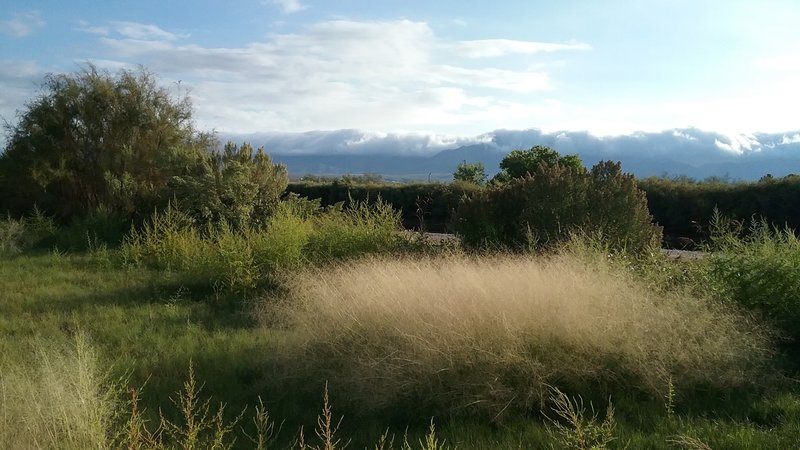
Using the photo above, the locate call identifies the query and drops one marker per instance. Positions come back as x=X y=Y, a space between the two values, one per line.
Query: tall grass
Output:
x=361 y=229
x=12 y=236
x=758 y=269
x=61 y=399
x=17 y=235
x=494 y=333
x=240 y=259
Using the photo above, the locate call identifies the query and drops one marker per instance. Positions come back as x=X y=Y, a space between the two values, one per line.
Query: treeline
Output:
x=105 y=151
x=428 y=206
x=684 y=207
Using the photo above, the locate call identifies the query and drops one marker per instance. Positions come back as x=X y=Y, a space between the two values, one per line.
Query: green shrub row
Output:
x=300 y=232
x=421 y=205
x=685 y=207
x=38 y=230
x=682 y=207
x=543 y=209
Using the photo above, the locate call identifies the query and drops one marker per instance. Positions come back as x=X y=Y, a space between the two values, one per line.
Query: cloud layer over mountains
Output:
x=692 y=152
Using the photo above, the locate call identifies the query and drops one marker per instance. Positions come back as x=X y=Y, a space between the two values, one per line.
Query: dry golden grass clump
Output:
x=58 y=399
x=495 y=332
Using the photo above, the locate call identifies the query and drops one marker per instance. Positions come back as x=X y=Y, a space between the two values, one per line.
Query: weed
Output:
x=574 y=429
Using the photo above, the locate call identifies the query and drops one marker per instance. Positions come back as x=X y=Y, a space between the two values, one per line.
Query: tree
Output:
x=473 y=173
x=93 y=139
x=541 y=209
x=520 y=163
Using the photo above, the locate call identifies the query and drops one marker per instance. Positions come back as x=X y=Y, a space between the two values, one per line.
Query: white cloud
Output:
x=17 y=86
x=22 y=24
x=795 y=139
x=389 y=75
x=142 y=31
x=131 y=30
x=492 y=48
x=287 y=6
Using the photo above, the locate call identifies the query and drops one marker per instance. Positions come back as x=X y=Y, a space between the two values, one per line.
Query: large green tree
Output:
x=473 y=173
x=545 y=206
x=520 y=163
x=96 y=139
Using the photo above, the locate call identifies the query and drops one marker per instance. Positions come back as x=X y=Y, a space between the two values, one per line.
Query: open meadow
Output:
x=571 y=350
x=159 y=290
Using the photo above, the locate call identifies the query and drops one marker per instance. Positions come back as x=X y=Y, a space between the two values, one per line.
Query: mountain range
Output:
x=687 y=152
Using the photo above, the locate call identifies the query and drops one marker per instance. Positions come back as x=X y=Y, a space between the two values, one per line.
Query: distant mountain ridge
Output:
x=690 y=152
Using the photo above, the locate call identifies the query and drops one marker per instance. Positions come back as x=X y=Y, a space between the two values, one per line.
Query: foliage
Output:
x=758 y=269
x=60 y=398
x=542 y=209
x=18 y=235
x=12 y=236
x=521 y=163
x=93 y=139
x=574 y=429
x=360 y=229
x=473 y=173
x=147 y=326
x=237 y=186
x=90 y=231
x=240 y=258
x=434 y=202
x=366 y=178
x=684 y=207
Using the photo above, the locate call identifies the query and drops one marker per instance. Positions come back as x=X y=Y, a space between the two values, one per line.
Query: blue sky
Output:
x=449 y=68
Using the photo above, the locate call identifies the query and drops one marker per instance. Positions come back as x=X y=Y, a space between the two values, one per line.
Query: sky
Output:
x=433 y=68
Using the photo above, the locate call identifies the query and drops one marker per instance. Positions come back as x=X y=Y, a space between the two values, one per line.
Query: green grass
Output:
x=146 y=326
x=144 y=323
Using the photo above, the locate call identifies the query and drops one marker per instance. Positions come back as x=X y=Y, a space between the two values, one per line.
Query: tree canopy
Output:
x=93 y=139
x=520 y=163
x=474 y=173
x=546 y=197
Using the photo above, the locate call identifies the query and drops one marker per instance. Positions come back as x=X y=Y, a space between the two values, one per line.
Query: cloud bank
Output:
x=692 y=152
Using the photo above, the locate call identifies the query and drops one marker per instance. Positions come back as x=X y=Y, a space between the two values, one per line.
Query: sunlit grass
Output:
x=492 y=333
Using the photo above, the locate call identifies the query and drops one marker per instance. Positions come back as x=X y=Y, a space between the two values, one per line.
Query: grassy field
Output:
x=481 y=346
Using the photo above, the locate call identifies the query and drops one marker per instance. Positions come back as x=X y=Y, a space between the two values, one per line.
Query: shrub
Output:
x=237 y=186
x=360 y=229
x=491 y=334
x=758 y=269
x=13 y=236
x=576 y=429
x=420 y=204
x=541 y=210
x=239 y=259
x=521 y=163
x=282 y=245
x=89 y=231
x=17 y=235
x=168 y=240
x=473 y=173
